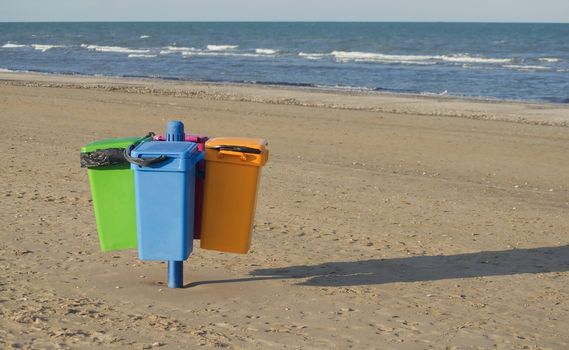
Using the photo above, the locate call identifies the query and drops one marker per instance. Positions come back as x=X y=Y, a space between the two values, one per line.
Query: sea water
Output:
x=482 y=60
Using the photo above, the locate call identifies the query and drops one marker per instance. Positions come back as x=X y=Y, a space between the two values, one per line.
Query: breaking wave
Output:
x=219 y=54
x=44 y=48
x=12 y=46
x=312 y=56
x=359 y=56
x=114 y=49
x=266 y=51
x=175 y=49
x=221 y=47
x=472 y=59
x=344 y=56
x=549 y=59
x=140 y=55
x=527 y=68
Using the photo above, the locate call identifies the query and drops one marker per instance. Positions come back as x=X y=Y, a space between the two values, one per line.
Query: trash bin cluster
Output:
x=160 y=192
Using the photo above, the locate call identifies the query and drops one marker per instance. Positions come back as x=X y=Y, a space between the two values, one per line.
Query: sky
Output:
x=286 y=10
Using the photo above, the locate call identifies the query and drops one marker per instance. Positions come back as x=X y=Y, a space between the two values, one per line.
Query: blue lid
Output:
x=180 y=156
x=170 y=149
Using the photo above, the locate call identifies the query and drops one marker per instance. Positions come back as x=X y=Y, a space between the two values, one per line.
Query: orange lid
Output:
x=259 y=144
x=242 y=150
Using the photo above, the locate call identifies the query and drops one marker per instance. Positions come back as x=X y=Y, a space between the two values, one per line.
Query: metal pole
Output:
x=175 y=132
x=175 y=274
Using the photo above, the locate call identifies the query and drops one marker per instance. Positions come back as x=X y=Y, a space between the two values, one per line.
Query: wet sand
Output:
x=383 y=222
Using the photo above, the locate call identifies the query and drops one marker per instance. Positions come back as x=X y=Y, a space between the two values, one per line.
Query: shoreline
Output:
x=286 y=86
x=526 y=112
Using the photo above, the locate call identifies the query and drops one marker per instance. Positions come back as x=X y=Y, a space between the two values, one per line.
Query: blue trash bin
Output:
x=164 y=194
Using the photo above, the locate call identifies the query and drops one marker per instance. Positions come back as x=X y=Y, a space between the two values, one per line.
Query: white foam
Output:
x=221 y=47
x=346 y=56
x=312 y=56
x=219 y=54
x=266 y=51
x=344 y=87
x=426 y=93
x=144 y=36
x=12 y=46
x=175 y=49
x=525 y=67
x=115 y=49
x=462 y=58
x=44 y=48
x=471 y=66
x=4 y=70
x=140 y=55
x=549 y=59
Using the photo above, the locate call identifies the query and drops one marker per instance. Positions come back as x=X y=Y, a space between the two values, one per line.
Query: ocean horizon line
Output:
x=285 y=21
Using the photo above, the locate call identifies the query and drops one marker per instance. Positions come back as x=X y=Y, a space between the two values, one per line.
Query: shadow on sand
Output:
x=418 y=268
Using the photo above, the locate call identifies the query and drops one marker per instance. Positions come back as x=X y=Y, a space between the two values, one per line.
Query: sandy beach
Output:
x=383 y=222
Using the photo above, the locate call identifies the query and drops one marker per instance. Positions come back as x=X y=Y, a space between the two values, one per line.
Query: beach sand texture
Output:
x=383 y=222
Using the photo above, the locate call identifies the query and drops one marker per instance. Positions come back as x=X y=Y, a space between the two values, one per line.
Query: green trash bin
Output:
x=112 y=189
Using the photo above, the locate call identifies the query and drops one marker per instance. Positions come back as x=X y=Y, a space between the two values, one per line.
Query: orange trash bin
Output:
x=232 y=172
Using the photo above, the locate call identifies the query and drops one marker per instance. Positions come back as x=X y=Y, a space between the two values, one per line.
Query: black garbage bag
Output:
x=110 y=156
x=103 y=157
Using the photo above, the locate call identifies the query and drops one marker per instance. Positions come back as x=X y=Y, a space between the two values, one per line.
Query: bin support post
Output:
x=175 y=274
x=175 y=132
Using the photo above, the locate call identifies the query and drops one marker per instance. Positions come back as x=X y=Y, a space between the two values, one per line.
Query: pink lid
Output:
x=199 y=139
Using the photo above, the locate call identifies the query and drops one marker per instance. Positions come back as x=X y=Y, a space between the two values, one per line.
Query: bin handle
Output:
x=241 y=155
x=142 y=161
x=242 y=149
